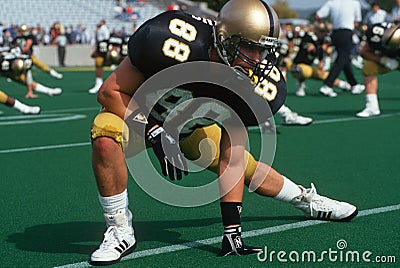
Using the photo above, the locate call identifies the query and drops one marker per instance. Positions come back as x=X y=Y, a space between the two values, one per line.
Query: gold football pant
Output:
x=38 y=63
x=202 y=146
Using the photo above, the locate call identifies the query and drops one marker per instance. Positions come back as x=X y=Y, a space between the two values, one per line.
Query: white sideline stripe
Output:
x=87 y=143
x=339 y=120
x=215 y=240
x=352 y=119
x=73 y=110
x=37 y=119
x=48 y=147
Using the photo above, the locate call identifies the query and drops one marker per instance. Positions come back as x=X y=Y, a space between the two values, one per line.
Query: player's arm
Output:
x=28 y=45
x=367 y=53
x=117 y=90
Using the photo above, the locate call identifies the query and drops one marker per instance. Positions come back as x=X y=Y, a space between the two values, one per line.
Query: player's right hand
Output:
x=166 y=148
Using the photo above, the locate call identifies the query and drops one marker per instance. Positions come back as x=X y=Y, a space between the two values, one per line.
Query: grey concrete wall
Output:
x=76 y=55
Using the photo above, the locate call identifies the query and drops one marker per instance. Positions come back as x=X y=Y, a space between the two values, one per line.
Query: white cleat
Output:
x=323 y=208
x=357 y=89
x=119 y=239
x=369 y=112
x=327 y=91
x=95 y=89
x=31 y=110
x=54 y=91
x=301 y=89
x=55 y=74
x=293 y=119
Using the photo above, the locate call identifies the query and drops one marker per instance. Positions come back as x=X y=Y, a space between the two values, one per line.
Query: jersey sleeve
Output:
x=170 y=38
x=374 y=36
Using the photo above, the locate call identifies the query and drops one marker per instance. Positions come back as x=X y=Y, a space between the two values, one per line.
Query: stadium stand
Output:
x=73 y=12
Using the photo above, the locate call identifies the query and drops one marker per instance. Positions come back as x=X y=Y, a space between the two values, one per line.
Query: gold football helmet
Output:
x=17 y=66
x=249 y=23
x=113 y=56
x=391 y=40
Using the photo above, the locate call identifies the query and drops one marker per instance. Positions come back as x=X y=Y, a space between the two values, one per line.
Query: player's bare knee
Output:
x=104 y=145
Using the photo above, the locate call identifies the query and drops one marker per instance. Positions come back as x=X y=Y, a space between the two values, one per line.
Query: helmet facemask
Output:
x=231 y=49
x=244 y=28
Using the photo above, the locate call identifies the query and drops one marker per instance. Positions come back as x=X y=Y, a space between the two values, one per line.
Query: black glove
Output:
x=168 y=153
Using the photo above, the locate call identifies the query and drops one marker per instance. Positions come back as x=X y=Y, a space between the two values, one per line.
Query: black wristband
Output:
x=230 y=212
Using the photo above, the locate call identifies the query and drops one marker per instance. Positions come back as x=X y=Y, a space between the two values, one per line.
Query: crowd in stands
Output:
x=125 y=9
x=376 y=14
x=75 y=34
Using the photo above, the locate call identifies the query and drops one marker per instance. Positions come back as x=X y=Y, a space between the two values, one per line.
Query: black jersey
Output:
x=20 y=41
x=12 y=64
x=174 y=38
x=304 y=55
x=374 y=36
x=114 y=43
x=168 y=39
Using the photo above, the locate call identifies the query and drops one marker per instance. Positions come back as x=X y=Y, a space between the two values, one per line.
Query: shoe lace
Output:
x=111 y=238
x=319 y=202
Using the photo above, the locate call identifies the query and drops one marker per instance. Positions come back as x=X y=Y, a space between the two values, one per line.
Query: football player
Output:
x=381 y=54
x=311 y=47
x=287 y=116
x=108 y=53
x=25 y=41
x=17 y=67
x=17 y=105
x=245 y=34
x=99 y=54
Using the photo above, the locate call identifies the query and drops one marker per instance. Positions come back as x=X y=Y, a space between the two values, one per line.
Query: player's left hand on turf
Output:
x=166 y=148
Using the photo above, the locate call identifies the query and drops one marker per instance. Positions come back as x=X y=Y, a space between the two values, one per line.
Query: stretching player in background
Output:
x=99 y=54
x=25 y=41
x=108 y=53
x=286 y=115
x=17 y=67
x=381 y=54
x=17 y=105
x=311 y=48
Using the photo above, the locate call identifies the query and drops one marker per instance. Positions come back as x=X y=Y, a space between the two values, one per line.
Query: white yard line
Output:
x=49 y=147
x=215 y=240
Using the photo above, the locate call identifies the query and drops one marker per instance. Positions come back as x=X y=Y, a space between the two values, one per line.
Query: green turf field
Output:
x=52 y=218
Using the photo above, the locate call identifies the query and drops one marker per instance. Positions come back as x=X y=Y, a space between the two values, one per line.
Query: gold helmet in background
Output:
x=391 y=41
x=24 y=29
x=18 y=66
x=250 y=22
x=321 y=26
x=113 y=56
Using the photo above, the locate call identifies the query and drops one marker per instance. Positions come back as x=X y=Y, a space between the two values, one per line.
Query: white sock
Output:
x=53 y=72
x=344 y=85
x=372 y=100
x=283 y=110
x=19 y=106
x=42 y=89
x=111 y=204
x=99 y=81
x=289 y=191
